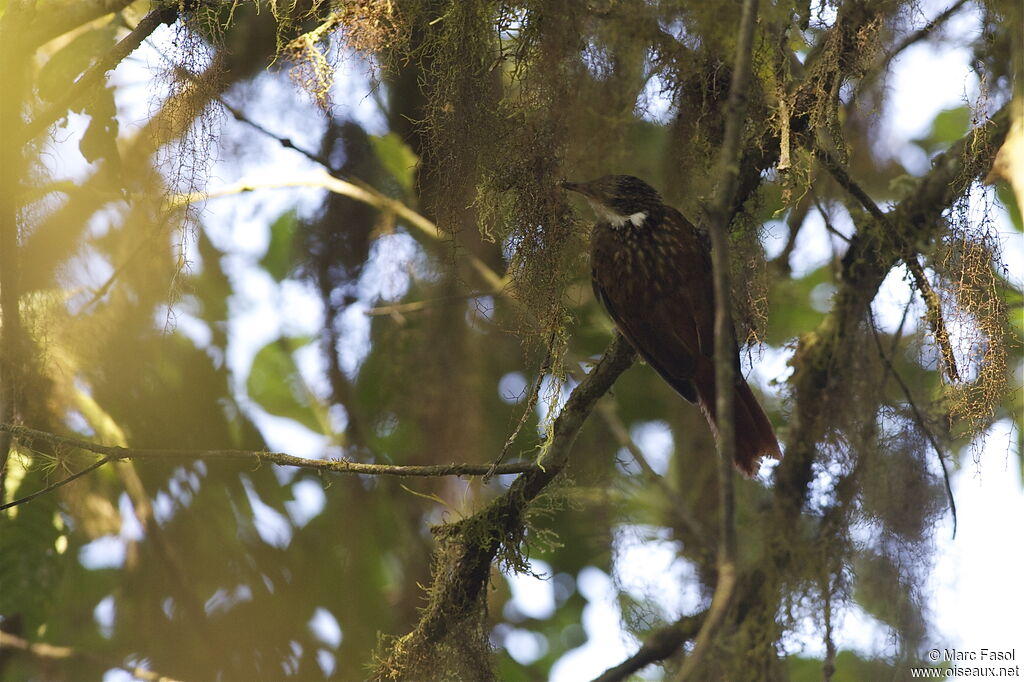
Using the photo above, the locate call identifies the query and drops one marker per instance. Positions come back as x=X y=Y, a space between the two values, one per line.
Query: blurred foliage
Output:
x=146 y=320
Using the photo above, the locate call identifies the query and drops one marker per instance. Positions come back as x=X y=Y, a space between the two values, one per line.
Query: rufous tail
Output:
x=755 y=437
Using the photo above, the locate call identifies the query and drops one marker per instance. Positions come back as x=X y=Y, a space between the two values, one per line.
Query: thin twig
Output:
x=53 y=486
x=907 y=254
x=321 y=179
x=680 y=508
x=829 y=227
x=367 y=195
x=89 y=79
x=719 y=219
x=919 y=418
x=60 y=653
x=102 y=290
x=339 y=466
x=918 y=35
x=935 y=320
x=531 y=403
x=794 y=223
x=285 y=142
x=828 y=666
x=415 y=306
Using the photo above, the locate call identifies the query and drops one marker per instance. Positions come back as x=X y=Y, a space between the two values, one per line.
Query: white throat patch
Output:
x=616 y=219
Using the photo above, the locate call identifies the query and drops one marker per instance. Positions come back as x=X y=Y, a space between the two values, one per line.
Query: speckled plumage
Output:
x=653 y=276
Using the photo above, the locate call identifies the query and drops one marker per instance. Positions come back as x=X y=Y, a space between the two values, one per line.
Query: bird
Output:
x=651 y=272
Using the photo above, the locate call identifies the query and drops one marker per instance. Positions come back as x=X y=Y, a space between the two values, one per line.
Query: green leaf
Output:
x=276 y=385
x=397 y=158
x=212 y=289
x=948 y=127
x=280 y=256
x=951 y=124
x=1009 y=202
x=792 y=310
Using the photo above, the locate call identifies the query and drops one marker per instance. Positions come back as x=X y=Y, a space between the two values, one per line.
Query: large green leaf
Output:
x=280 y=256
x=276 y=385
x=792 y=312
x=948 y=127
x=397 y=158
x=1009 y=202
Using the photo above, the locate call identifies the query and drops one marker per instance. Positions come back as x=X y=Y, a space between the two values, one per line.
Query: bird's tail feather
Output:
x=755 y=437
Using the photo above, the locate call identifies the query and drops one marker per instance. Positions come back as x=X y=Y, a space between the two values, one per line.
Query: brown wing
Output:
x=670 y=325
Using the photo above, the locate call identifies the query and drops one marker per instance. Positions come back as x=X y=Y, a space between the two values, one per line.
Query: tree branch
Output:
x=475 y=541
x=360 y=192
x=337 y=466
x=820 y=361
x=725 y=350
x=369 y=195
x=868 y=260
x=65 y=653
x=94 y=74
x=913 y=38
x=53 y=486
x=659 y=645
x=931 y=299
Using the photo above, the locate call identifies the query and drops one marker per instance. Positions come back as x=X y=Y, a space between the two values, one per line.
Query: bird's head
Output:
x=618 y=199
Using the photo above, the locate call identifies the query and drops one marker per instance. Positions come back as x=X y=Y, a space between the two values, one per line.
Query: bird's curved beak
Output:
x=571 y=186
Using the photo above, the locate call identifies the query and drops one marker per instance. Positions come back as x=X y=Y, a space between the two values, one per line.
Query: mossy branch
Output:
x=868 y=260
x=459 y=583
x=821 y=365
x=661 y=644
x=931 y=299
x=719 y=218
x=334 y=466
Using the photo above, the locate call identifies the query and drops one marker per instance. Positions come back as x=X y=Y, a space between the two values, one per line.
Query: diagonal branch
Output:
x=459 y=585
x=820 y=360
x=94 y=74
x=360 y=192
x=659 y=645
x=931 y=299
x=919 y=418
x=912 y=39
x=866 y=263
x=56 y=484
